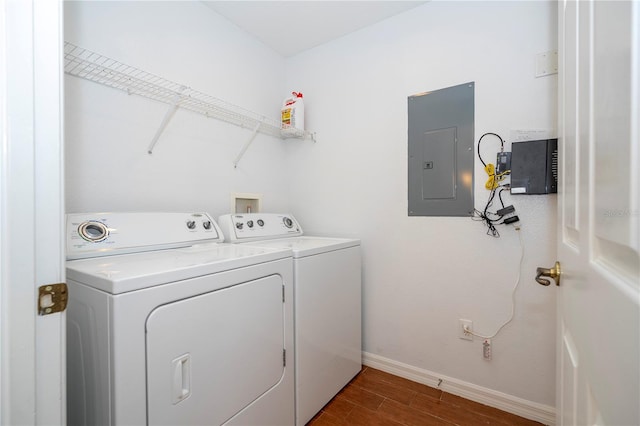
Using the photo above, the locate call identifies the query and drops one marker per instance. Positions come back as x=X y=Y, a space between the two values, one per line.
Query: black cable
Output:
x=490 y=200
x=480 y=140
x=500 y=197
x=484 y=216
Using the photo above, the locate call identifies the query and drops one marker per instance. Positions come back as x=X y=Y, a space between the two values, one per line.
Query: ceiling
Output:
x=290 y=27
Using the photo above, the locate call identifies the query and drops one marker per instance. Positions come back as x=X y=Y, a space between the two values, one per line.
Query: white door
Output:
x=32 y=380
x=599 y=214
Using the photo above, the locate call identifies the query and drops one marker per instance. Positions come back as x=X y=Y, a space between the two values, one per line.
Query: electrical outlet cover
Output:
x=462 y=334
x=486 y=349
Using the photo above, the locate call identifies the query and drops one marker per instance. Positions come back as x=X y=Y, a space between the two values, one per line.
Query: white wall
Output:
x=108 y=132
x=422 y=274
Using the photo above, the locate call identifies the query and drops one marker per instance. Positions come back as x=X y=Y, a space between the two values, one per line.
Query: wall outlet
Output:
x=486 y=349
x=465 y=327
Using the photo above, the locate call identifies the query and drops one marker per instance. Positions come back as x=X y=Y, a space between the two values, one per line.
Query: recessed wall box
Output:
x=534 y=167
x=246 y=203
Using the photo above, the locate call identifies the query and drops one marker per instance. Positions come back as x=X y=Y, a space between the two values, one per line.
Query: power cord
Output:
x=504 y=216
x=513 y=293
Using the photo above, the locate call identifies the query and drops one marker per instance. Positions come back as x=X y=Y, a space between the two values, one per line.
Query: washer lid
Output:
x=128 y=272
x=307 y=246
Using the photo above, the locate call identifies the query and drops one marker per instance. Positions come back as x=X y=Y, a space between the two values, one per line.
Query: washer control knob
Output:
x=239 y=225
x=191 y=224
x=260 y=222
x=287 y=222
x=93 y=231
x=206 y=224
x=250 y=224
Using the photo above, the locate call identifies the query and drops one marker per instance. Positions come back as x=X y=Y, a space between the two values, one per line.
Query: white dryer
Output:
x=327 y=308
x=168 y=327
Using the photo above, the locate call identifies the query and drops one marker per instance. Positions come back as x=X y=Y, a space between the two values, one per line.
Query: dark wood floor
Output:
x=374 y=397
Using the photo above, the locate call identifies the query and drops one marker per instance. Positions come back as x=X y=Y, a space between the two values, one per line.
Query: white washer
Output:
x=160 y=334
x=328 y=297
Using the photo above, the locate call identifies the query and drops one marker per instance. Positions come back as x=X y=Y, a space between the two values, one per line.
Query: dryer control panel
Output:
x=103 y=234
x=244 y=227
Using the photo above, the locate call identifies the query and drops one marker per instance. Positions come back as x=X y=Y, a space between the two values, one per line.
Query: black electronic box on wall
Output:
x=534 y=167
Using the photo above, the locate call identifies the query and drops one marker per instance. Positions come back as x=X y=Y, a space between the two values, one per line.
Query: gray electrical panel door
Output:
x=441 y=153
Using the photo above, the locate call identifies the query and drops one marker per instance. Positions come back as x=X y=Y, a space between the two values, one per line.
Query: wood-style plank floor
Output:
x=374 y=398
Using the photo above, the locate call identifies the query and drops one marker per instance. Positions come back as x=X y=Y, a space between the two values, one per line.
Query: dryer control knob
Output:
x=93 y=231
x=191 y=224
x=260 y=222
x=206 y=224
x=239 y=225
x=250 y=224
x=287 y=222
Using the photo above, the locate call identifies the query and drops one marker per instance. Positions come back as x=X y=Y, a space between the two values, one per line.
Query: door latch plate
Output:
x=52 y=298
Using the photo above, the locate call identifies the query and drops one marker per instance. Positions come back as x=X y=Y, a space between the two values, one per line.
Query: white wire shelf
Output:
x=83 y=63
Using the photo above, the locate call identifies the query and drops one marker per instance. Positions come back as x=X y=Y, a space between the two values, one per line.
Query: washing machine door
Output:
x=210 y=356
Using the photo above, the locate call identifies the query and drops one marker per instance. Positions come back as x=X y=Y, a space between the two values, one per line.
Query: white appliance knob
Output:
x=207 y=224
x=191 y=224
x=287 y=222
x=239 y=225
x=260 y=222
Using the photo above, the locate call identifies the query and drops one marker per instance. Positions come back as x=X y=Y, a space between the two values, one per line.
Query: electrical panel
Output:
x=441 y=133
x=534 y=167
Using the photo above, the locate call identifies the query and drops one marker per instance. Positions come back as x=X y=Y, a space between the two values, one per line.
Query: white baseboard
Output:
x=521 y=407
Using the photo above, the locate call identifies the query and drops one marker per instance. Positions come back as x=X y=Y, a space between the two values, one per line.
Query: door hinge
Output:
x=52 y=298
x=284 y=357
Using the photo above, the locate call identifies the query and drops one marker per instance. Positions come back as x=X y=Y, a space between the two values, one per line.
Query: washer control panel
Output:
x=102 y=234
x=258 y=226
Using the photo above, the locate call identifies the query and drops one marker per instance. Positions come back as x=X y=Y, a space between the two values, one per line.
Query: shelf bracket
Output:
x=246 y=144
x=167 y=117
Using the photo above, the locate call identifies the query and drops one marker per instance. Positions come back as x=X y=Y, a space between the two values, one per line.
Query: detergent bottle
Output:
x=293 y=115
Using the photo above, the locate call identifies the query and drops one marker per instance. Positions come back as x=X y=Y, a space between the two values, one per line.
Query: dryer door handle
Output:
x=181 y=369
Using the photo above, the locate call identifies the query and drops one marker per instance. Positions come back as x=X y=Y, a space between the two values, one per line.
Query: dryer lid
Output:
x=129 y=272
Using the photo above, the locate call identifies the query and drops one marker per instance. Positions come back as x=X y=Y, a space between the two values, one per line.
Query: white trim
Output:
x=521 y=407
x=17 y=200
x=5 y=353
x=50 y=331
x=32 y=351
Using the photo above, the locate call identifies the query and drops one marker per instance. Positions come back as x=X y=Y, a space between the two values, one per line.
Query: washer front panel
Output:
x=328 y=329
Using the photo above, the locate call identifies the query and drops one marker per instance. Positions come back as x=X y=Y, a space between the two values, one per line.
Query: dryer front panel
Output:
x=210 y=356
